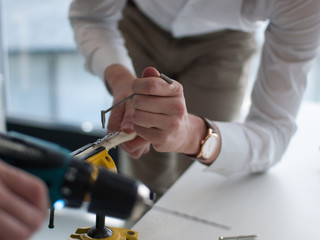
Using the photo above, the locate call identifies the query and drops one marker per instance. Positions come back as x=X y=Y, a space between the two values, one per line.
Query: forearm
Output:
x=196 y=133
x=260 y=142
x=250 y=147
x=118 y=78
x=96 y=34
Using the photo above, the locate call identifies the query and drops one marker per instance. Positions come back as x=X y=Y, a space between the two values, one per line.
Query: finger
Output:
x=11 y=228
x=150 y=72
x=157 y=87
x=164 y=105
x=20 y=209
x=138 y=153
x=115 y=119
x=25 y=185
x=127 y=121
x=159 y=121
x=136 y=145
x=158 y=138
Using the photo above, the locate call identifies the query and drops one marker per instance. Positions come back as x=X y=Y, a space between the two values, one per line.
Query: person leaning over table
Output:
x=206 y=46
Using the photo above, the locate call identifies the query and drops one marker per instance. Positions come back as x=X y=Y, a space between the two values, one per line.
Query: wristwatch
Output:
x=210 y=145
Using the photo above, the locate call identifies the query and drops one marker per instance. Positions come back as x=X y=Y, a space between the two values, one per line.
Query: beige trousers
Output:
x=213 y=69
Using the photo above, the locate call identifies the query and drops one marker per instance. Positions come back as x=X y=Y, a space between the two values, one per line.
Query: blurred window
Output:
x=45 y=77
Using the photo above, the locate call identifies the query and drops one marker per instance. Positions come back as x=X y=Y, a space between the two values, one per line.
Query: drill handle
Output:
x=46 y=160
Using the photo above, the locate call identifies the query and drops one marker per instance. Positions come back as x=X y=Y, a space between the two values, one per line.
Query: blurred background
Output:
x=45 y=77
x=48 y=94
x=47 y=91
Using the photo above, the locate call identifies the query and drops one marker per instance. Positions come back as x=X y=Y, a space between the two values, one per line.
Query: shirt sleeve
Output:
x=291 y=44
x=95 y=26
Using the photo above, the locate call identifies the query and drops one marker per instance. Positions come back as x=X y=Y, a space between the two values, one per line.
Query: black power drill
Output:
x=70 y=177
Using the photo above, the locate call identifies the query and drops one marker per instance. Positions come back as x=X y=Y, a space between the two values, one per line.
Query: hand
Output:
x=23 y=203
x=120 y=81
x=161 y=117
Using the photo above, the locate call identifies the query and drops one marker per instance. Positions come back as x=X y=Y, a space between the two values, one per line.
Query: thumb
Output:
x=127 y=120
x=150 y=72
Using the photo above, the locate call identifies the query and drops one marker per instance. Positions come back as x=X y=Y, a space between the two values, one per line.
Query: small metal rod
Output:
x=103 y=116
x=103 y=112
x=99 y=231
x=166 y=78
x=243 y=237
x=51 y=219
x=100 y=222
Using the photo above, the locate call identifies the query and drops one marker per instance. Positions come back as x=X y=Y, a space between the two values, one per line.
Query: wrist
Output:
x=216 y=153
x=197 y=131
x=118 y=78
x=209 y=146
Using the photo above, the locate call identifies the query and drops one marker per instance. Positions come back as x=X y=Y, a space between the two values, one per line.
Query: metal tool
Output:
x=103 y=112
x=111 y=140
x=242 y=237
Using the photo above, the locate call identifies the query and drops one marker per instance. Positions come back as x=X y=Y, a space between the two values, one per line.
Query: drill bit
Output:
x=103 y=112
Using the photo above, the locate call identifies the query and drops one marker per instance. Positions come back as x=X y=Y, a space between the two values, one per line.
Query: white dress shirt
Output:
x=291 y=43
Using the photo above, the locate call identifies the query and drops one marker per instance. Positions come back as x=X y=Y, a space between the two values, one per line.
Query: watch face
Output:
x=209 y=147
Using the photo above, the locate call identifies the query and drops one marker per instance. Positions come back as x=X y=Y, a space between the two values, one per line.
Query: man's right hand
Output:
x=23 y=203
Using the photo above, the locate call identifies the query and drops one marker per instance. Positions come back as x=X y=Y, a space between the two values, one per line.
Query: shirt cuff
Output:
x=234 y=150
x=103 y=58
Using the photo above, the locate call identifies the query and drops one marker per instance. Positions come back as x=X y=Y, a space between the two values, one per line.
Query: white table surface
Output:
x=283 y=203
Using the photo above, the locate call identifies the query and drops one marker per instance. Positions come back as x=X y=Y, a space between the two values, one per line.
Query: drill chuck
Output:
x=118 y=196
